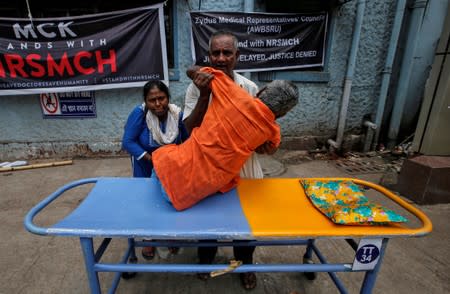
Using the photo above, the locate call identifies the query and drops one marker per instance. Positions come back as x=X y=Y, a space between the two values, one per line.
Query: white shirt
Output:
x=251 y=169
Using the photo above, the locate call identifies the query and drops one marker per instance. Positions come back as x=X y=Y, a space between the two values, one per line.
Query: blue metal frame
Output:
x=94 y=266
x=371 y=276
x=128 y=263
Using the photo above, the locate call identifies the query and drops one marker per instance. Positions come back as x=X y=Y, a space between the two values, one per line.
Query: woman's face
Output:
x=157 y=102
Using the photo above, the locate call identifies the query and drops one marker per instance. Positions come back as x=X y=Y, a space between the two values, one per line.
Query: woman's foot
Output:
x=148 y=252
x=248 y=280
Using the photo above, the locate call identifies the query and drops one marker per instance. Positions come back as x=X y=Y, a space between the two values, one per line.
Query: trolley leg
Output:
x=307 y=258
x=89 y=259
x=309 y=249
x=132 y=247
x=132 y=259
x=371 y=276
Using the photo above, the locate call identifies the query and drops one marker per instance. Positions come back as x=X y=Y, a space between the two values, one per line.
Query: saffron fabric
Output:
x=252 y=168
x=234 y=125
x=344 y=203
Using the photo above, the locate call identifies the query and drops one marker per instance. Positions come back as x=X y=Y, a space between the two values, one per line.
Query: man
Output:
x=223 y=55
x=234 y=125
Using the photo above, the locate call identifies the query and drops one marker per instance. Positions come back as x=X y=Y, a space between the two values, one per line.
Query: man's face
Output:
x=223 y=55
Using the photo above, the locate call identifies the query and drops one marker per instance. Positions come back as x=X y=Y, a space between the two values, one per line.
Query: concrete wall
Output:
x=24 y=133
x=317 y=114
x=430 y=34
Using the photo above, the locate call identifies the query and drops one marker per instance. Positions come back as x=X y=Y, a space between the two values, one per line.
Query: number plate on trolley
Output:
x=367 y=255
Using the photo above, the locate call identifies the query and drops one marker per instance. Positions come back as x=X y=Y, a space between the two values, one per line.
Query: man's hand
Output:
x=266 y=148
x=200 y=79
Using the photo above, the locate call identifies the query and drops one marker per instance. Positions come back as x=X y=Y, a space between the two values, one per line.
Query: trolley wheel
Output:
x=309 y=275
x=127 y=275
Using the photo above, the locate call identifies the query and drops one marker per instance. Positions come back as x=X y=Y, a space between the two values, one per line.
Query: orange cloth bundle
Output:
x=234 y=125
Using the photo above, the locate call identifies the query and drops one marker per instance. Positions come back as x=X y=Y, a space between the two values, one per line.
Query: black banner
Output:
x=266 y=41
x=100 y=51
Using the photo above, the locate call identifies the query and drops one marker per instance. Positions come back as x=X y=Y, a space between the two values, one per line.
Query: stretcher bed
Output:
x=258 y=212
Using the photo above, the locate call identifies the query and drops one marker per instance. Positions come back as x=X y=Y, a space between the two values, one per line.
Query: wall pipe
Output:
x=361 y=5
x=417 y=14
x=371 y=127
x=249 y=5
x=386 y=77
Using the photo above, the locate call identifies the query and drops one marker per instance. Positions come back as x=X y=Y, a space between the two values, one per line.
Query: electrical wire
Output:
x=29 y=13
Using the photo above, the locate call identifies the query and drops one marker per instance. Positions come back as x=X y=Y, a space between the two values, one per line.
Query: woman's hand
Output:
x=148 y=157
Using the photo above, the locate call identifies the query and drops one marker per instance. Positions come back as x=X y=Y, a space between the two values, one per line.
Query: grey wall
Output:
x=24 y=132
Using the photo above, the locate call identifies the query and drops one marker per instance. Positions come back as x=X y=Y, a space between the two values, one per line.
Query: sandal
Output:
x=248 y=280
x=148 y=252
x=173 y=250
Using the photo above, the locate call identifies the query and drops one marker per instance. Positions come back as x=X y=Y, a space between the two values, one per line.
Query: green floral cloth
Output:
x=344 y=203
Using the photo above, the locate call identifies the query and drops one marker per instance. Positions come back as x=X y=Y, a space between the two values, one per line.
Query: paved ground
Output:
x=35 y=264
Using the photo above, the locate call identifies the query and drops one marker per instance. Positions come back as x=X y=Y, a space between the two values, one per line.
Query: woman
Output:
x=150 y=125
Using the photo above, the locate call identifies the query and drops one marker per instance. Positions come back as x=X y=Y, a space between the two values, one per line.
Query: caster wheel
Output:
x=311 y=276
x=127 y=276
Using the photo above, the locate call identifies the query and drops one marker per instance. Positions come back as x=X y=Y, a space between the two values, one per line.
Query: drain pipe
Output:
x=349 y=76
x=387 y=71
x=417 y=14
x=249 y=6
x=371 y=127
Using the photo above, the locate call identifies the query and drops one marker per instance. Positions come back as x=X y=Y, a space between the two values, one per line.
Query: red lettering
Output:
x=38 y=70
x=77 y=62
x=101 y=61
x=38 y=66
x=60 y=68
x=15 y=63
x=2 y=70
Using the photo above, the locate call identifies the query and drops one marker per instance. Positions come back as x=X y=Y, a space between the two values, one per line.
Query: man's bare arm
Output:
x=201 y=80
